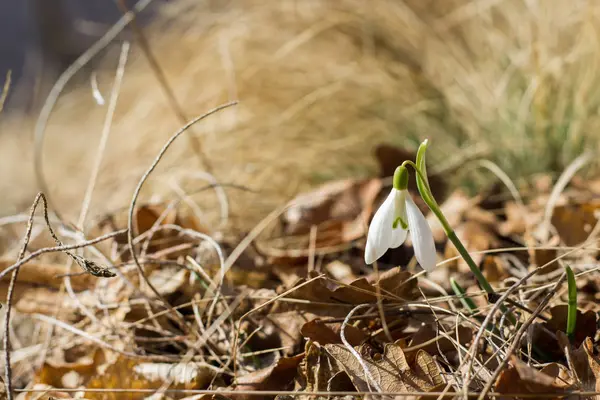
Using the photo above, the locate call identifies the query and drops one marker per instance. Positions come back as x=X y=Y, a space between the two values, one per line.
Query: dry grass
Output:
x=320 y=84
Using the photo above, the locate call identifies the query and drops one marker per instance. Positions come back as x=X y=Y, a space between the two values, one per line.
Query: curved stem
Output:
x=427 y=196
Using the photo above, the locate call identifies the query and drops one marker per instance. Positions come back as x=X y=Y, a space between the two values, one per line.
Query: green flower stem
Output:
x=420 y=168
x=485 y=285
x=572 y=310
x=466 y=301
x=427 y=196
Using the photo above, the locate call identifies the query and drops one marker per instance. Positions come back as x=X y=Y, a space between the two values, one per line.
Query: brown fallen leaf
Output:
x=278 y=376
x=288 y=327
x=340 y=271
x=574 y=222
x=522 y=378
x=329 y=333
x=518 y=220
x=585 y=365
x=428 y=339
x=454 y=209
x=585 y=327
x=390 y=371
x=476 y=237
x=494 y=268
x=79 y=358
x=320 y=372
x=394 y=285
x=338 y=213
x=50 y=275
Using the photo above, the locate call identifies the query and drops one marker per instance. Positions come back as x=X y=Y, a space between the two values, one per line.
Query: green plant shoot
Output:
x=572 y=301
x=461 y=293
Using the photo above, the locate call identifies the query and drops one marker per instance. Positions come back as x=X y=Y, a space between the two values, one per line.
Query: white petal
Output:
x=398 y=237
x=399 y=234
x=421 y=236
x=380 y=237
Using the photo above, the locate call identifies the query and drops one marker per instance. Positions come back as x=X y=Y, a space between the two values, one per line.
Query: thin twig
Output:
x=9 y=296
x=63 y=248
x=369 y=377
x=130 y=234
x=112 y=105
x=519 y=335
x=143 y=180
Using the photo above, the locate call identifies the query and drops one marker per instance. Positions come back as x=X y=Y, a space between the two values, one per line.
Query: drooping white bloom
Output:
x=390 y=225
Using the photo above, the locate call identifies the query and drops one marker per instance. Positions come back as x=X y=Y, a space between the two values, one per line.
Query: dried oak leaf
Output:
x=428 y=339
x=390 y=371
x=524 y=379
x=320 y=372
x=323 y=333
x=394 y=285
x=278 y=376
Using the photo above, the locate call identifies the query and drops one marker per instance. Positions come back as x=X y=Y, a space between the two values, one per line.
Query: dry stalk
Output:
x=87 y=265
x=519 y=335
x=136 y=194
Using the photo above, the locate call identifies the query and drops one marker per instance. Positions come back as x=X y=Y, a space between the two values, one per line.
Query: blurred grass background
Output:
x=321 y=83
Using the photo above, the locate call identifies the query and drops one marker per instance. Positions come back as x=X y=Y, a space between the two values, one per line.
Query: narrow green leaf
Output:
x=461 y=293
x=572 y=310
x=422 y=180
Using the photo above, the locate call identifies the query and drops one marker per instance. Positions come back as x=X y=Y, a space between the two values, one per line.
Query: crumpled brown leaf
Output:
x=585 y=327
x=49 y=275
x=287 y=325
x=443 y=347
x=394 y=285
x=522 y=378
x=574 y=222
x=585 y=365
x=390 y=371
x=278 y=376
x=339 y=211
x=323 y=333
x=320 y=372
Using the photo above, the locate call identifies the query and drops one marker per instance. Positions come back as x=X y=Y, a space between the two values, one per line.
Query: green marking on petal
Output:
x=400 y=221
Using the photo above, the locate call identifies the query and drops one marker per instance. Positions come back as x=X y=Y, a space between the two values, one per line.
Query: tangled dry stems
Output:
x=513 y=89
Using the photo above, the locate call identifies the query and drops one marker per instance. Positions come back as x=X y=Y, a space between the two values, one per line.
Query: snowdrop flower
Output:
x=397 y=215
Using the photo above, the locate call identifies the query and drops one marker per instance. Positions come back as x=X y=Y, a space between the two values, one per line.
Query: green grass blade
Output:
x=572 y=310
x=467 y=302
